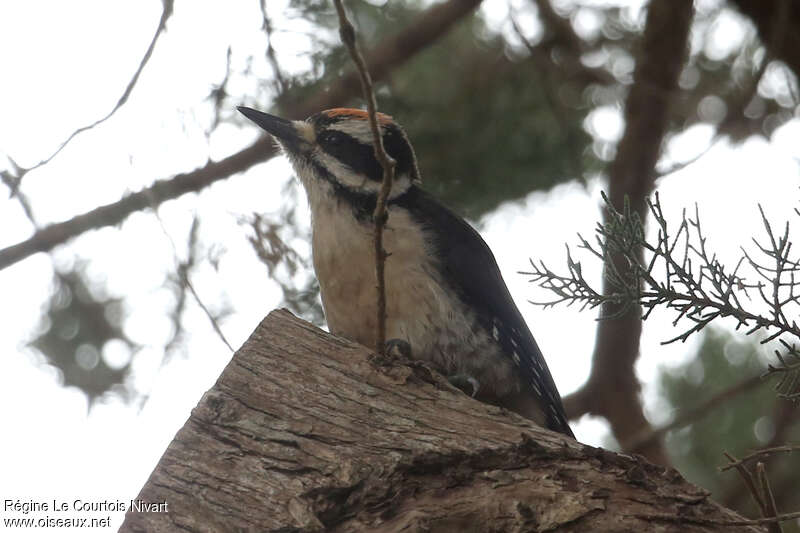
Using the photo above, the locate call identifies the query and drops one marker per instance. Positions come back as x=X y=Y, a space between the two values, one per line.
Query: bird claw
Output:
x=465 y=382
x=397 y=348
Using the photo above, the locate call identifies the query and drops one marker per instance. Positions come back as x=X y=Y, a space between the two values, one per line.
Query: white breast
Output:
x=421 y=308
x=418 y=306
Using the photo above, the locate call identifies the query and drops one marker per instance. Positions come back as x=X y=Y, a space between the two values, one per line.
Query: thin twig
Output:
x=272 y=57
x=771 y=509
x=380 y=215
x=162 y=24
x=695 y=284
x=182 y=268
x=12 y=182
x=219 y=93
x=683 y=519
x=766 y=452
x=749 y=482
x=393 y=51
x=676 y=167
x=788 y=369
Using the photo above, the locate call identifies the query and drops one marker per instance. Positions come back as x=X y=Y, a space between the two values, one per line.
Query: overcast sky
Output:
x=68 y=64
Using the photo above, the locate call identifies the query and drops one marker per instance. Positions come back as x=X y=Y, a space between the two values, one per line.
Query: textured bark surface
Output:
x=304 y=432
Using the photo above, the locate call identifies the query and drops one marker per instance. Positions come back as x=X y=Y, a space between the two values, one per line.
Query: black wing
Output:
x=470 y=266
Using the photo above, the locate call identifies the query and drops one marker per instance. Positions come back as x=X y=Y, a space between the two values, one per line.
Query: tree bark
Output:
x=304 y=431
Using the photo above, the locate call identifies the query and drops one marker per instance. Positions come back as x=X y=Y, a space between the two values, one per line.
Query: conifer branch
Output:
x=681 y=273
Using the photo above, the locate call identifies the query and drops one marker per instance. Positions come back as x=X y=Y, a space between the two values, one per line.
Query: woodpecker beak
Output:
x=283 y=130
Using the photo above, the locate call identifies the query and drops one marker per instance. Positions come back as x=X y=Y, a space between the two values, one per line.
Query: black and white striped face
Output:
x=335 y=146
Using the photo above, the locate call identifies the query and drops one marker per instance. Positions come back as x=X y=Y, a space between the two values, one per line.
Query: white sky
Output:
x=68 y=64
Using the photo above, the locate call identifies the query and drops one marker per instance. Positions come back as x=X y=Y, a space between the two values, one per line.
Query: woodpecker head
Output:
x=332 y=151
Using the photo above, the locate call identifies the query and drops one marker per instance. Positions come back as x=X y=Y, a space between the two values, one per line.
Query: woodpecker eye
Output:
x=350 y=152
x=331 y=138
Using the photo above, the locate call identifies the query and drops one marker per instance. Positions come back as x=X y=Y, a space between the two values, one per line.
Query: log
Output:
x=305 y=431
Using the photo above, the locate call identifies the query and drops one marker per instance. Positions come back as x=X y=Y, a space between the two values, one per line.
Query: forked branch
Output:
x=395 y=50
x=166 y=13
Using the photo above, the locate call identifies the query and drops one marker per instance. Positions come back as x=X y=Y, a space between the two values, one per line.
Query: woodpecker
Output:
x=445 y=297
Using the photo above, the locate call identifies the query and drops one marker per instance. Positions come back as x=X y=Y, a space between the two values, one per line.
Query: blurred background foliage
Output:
x=80 y=323
x=494 y=115
x=753 y=419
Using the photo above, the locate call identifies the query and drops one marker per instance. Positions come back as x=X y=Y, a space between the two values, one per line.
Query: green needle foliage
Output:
x=680 y=273
x=488 y=124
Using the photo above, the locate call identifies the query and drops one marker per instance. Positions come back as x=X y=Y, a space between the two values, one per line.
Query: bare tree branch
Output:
x=183 y=268
x=771 y=511
x=219 y=93
x=784 y=415
x=694 y=414
x=760 y=454
x=721 y=523
x=162 y=24
x=12 y=181
x=761 y=492
x=749 y=482
x=270 y=240
x=380 y=215
x=677 y=167
x=395 y=50
x=280 y=81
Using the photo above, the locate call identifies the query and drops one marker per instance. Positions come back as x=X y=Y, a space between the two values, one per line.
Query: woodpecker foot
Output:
x=467 y=384
x=397 y=348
